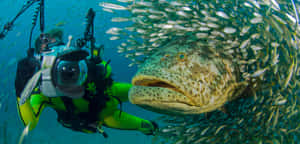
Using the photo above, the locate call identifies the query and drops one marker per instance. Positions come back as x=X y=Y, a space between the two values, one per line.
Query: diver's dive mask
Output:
x=49 y=42
x=66 y=74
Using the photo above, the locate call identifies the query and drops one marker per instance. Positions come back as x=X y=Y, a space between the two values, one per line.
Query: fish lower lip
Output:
x=173 y=107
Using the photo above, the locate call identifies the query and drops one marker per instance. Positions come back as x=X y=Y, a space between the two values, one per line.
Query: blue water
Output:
x=13 y=48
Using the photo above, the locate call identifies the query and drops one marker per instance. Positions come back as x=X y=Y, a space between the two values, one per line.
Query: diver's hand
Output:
x=155 y=125
x=150 y=127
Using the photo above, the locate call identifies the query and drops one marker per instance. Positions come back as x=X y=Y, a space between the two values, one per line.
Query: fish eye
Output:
x=181 y=56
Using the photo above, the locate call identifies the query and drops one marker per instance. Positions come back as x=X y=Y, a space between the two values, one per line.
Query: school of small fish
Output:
x=260 y=36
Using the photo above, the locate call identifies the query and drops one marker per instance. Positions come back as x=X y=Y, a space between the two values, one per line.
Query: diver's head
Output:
x=48 y=40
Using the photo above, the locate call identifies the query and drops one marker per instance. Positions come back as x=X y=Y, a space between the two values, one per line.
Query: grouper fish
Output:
x=200 y=55
x=185 y=79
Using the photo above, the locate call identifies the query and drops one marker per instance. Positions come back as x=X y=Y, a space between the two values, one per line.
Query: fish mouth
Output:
x=159 y=95
x=155 y=82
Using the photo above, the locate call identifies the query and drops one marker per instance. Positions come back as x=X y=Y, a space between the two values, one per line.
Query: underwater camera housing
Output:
x=57 y=64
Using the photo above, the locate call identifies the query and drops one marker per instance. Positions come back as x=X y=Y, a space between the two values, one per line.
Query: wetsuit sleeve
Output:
x=112 y=117
x=120 y=90
x=126 y=121
x=30 y=112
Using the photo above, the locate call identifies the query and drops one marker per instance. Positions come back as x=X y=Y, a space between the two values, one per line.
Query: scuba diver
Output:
x=76 y=83
x=81 y=90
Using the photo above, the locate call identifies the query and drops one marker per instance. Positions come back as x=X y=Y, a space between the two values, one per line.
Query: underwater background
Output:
x=68 y=15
